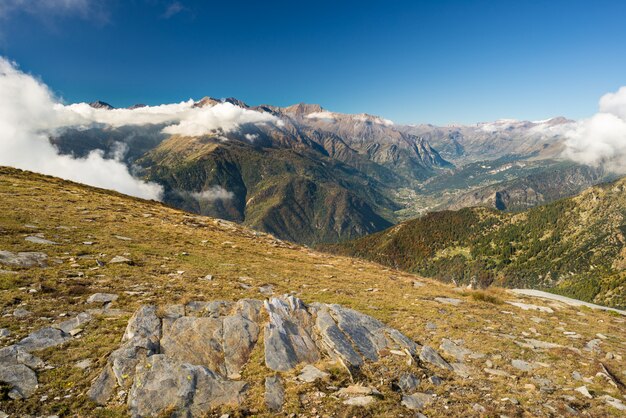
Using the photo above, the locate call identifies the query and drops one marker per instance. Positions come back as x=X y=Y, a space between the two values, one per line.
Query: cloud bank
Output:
x=30 y=115
x=601 y=139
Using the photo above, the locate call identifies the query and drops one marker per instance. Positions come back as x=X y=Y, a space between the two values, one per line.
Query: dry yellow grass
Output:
x=165 y=242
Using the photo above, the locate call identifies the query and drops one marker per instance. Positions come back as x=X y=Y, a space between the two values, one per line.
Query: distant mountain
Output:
x=321 y=176
x=574 y=246
x=493 y=140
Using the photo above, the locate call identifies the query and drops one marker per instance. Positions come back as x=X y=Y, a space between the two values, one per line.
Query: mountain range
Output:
x=573 y=246
x=318 y=176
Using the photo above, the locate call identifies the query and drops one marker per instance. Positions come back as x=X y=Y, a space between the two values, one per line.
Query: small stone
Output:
x=359 y=401
x=311 y=373
x=496 y=372
x=4 y=332
x=449 y=301
x=83 y=364
x=435 y=380
x=407 y=382
x=122 y=238
x=429 y=355
x=584 y=391
x=431 y=326
x=21 y=313
x=76 y=331
x=522 y=365
x=416 y=401
x=118 y=259
x=102 y=298
x=208 y=277
x=38 y=240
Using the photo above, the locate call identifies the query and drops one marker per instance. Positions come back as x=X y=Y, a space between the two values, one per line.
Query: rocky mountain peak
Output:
x=98 y=104
x=301 y=109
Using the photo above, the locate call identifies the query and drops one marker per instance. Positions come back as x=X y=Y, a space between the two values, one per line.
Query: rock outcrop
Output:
x=188 y=359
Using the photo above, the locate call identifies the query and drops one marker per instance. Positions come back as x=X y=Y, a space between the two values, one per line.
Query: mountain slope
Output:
x=170 y=253
x=574 y=246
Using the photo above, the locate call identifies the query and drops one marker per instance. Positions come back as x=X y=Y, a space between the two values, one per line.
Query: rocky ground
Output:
x=112 y=306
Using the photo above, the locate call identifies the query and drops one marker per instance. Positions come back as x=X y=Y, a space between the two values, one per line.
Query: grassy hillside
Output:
x=171 y=251
x=573 y=246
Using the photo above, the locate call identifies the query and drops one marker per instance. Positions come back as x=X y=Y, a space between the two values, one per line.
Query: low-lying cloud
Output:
x=212 y=194
x=601 y=139
x=30 y=115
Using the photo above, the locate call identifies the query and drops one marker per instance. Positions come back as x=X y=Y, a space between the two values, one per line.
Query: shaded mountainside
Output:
x=574 y=246
x=112 y=306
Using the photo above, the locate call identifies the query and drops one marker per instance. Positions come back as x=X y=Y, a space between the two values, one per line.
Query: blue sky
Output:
x=410 y=61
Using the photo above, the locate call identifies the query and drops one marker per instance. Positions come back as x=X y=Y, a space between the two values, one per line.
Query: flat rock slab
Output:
x=43 y=338
x=429 y=355
x=102 y=298
x=24 y=259
x=311 y=373
x=449 y=301
x=38 y=240
x=530 y=307
x=189 y=359
x=416 y=401
x=274 y=393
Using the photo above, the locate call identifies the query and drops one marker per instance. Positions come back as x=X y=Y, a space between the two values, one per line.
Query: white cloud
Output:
x=86 y=9
x=601 y=139
x=173 y=9
x=224 y=117
x=29 y=113
x=212 y=194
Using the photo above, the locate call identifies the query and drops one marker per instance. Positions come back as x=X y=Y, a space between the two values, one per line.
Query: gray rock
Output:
x=408 y=382
x=21 y=313
x=522 y=365
x=359 y=401
x=118 y=259
x=429 y=355
x=195 y=340
x=461 y=369
x=102 y=388
x=431 y=326
x=83 y=364
x=274 y=393
x=14 y=354
x=334 y=338
x=593 y=345
x=38 y=240
x=4 y=332
x=454 y=349
x=449 y=301
x=584 y=391
x=267 y=290
x=23 y=259
x=102 y=298
x=311 y=373
x=43 y=338
x=144 y=328
x=189 y=360
x=288 y=340
x=162 y=385
x=435 y=380
x=239 y=337
x=21 y=379
x=73 y=323
x=416 y=401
